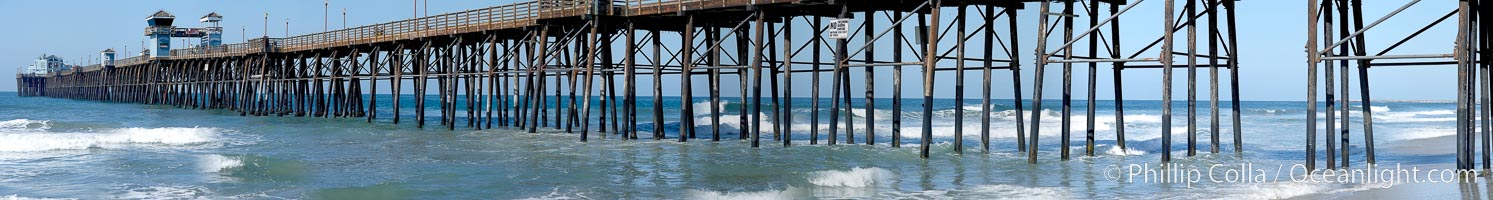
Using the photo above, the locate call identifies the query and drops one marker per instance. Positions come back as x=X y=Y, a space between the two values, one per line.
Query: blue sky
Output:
x=1271 y=35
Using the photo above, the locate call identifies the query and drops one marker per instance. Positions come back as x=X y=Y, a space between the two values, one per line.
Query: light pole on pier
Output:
x=266 y=24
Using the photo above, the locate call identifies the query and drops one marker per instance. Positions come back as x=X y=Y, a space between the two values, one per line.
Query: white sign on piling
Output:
x=839 y=29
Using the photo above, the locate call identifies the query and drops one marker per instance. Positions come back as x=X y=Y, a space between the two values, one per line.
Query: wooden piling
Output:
x=787 y=65
x=930 y=64
x=985 y=107
x=1479 y=56
x=687 y=52
x=629 y=65
x=870 y=77
x=536 y=78
x=1016 y=81
x=839 y=69
x=1192 y=76
x=421 y=70
x=373 y=67
x=959 y=17
x=1343 y=87
x=1066 y=118
x=756 y=64
x=396 y=67
x=1166 y=82
x=1041 y=64
x=1465 y=78
x=814 y=93
x=1311 y=85
x=609 y=73
x=897 y=55
x=1331 y=101
x=1213 y=79
x=744 y=125
x=1093 y=82
x=587 y=76
x=713 y=38
x=1119 y=67
x=772 y=59
x=658 y=88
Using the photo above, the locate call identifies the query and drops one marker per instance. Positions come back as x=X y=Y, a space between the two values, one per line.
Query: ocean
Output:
x=59 y=148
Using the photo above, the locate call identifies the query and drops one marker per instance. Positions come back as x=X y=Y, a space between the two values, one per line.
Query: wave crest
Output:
x=25 y=124
x=1116 y=150
x=757 y=195
x=47 y=141
x=217 y=163
x=857 y=177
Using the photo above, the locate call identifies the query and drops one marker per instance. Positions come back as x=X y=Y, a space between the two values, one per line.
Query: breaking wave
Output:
x=217 y=163
x=753 y=195
x=857 y=177
x=23 y=135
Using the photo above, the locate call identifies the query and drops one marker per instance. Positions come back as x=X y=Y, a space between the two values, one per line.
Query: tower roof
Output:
x=160 y=19
x=211 y=17
x=161 y=14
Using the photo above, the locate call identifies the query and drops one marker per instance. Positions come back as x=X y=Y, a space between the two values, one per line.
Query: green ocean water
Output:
x=57 y=148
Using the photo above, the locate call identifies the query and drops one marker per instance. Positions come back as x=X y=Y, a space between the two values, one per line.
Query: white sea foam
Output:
x=1423 y=132
x=856 y=177
x=1115 y=150
x=216 y=163
x=1378 y=109
x=1416 y=116
x=1283 y=190
x=16 y=174
x=755 y=195
x=31 y=141
x=1001 y=191
x=1385 y=114
x=25 y=124
x=996 y=191
x=1268 y=111
x=1287 y=190
x=1142 y=118
x=1050 y=124
x=703 y=108
x=880 y=114
x=969 y=110
x=164 y=192
x=731 y=121
x=16 y=197
x=556 y=194
x=1002 y=125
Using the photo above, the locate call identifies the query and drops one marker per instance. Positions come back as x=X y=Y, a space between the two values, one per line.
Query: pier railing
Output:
x=648 y=7
x=95 y=67
x=475 y=20
x=132 y=61
x=215 y=51
x=498 y=17
x=490 y=18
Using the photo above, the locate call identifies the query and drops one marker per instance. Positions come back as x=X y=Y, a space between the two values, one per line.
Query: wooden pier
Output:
x=542 y=64
x=1347 y=47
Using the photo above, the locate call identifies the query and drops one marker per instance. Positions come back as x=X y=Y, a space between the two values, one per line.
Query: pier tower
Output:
x=161 y=31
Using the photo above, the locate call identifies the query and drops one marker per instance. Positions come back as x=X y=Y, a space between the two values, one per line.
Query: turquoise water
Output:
x=58 y=148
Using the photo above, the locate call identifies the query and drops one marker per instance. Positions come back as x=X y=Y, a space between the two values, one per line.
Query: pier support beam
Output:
x=930 y=64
